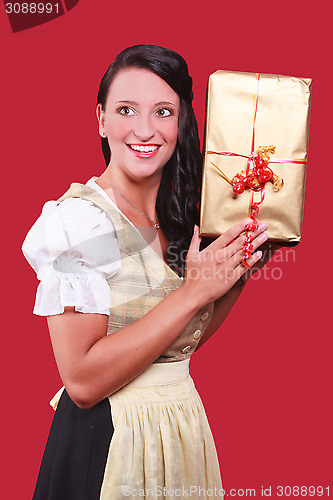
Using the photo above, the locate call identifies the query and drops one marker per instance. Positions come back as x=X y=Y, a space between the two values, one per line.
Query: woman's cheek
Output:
x=171 y=131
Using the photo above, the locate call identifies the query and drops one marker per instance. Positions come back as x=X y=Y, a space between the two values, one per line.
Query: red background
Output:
x=265 y=378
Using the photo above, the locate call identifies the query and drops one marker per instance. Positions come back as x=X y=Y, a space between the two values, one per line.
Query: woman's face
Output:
x=140 y=121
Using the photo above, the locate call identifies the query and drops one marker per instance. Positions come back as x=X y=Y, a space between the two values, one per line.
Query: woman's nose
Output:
x=144 y=128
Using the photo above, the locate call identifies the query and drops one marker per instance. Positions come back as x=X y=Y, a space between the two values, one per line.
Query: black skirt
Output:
x=76 y=452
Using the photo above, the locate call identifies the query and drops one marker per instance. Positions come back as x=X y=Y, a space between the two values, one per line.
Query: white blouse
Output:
x=73 y=249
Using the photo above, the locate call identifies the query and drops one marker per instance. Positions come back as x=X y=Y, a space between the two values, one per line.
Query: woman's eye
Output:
x=126 y=111
x=164 y=112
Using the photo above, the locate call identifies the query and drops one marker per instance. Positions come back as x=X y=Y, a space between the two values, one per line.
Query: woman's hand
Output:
x=212 y=272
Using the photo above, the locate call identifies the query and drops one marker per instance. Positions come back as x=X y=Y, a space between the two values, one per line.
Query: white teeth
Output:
x=143 y=149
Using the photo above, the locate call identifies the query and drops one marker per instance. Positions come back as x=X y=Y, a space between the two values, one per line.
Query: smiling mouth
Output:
x=143 y=149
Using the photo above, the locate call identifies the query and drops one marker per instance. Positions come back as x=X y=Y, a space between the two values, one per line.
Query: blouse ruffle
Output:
x=73 y=249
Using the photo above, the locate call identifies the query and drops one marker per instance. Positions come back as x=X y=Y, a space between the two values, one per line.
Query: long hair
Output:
x=179 y=192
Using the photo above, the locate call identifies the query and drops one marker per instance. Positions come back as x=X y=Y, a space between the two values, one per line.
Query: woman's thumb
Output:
x=195 y=241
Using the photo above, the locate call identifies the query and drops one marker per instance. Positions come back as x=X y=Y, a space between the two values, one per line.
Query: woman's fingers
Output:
x=233 y=240
x=256 y=242
x=231 y=234
x=239 y=242
x=242 y=269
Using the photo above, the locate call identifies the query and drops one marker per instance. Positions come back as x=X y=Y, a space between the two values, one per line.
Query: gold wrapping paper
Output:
x=282 y=120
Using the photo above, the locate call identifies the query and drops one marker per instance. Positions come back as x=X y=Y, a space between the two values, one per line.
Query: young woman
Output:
x=129 y=296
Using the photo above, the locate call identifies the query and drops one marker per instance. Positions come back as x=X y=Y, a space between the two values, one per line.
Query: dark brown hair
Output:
x=179 y=191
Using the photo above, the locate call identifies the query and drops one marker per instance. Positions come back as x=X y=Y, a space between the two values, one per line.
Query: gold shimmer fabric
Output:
x=283 y=116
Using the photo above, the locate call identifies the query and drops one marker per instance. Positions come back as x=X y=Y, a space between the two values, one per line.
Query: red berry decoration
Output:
x=238 y=188
x=260 y=163
x=265 y=174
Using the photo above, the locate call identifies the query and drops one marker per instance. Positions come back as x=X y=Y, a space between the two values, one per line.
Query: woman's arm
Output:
x=93 y=365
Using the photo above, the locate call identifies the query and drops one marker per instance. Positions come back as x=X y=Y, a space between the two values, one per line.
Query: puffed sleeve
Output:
x=73 y=249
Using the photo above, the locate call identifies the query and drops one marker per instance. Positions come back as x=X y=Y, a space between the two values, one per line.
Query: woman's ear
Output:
x=100 y=118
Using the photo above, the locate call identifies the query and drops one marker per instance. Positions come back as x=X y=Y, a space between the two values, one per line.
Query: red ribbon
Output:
x=251 y=157
x=254 y=206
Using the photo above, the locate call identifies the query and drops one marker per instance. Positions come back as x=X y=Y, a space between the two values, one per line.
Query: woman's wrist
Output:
x=193 y=299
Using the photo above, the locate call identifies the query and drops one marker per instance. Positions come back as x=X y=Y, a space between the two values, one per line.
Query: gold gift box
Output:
x=282 y=119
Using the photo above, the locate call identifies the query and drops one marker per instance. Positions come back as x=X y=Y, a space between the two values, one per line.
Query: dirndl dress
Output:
x=151 y=438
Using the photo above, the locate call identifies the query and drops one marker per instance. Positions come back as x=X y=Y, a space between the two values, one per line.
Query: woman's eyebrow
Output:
x=132 y=103
x=160 y=103
x=163 y=103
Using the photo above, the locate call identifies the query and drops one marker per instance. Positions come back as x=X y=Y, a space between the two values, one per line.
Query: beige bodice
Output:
x=143 y=280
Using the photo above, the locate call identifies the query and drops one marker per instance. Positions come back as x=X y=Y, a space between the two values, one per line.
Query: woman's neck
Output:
x=131 y=195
